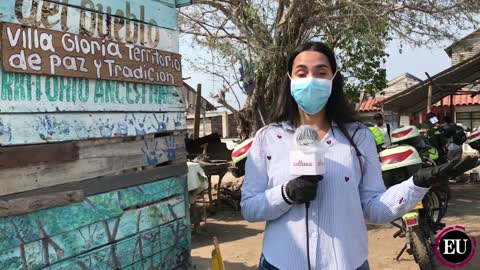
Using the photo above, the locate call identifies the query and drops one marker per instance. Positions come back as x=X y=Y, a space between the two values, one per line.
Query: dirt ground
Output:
x=241 y=242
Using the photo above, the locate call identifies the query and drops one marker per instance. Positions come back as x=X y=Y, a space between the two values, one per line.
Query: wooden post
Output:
x=429 y=98
x=204 y=132
x=452 y=110
x=198 y=106
x=443 y=109
x=225 y=129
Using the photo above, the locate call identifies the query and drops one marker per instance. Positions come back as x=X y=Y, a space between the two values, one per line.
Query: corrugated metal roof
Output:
x=453 y=79
x=461 y=100
x=368 y=105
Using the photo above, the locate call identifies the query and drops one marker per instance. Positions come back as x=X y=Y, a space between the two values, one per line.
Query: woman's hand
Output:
x=302 y=189
x=427 y=176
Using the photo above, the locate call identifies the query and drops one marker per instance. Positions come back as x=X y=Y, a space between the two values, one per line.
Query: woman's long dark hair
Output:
x=338 y=109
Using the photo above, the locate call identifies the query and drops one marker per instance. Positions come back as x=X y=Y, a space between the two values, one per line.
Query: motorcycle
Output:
x=410 y=152
x=474 y=140
x=448 y=138
x=410 y=135
x=239 y=157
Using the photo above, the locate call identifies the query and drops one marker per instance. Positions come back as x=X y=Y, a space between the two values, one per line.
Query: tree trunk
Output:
x=268 y=82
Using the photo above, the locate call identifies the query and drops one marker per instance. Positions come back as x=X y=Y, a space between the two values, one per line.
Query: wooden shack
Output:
x=92 y=157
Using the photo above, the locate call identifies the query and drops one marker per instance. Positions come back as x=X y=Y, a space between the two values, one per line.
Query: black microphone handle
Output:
x=313 y=178
x=307 y=205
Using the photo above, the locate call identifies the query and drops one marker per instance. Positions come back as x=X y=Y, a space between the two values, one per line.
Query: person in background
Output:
x=377 y=136
x=432 y=120
x=447 y=120
x=385 y=128
x=457 y=136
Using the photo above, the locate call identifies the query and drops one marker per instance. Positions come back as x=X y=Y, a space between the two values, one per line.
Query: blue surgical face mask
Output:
x=311 y=94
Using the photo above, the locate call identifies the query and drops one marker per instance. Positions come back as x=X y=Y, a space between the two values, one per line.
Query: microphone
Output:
x=307 y=157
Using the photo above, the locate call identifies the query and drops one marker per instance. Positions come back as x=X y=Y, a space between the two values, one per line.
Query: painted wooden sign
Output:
x=16 y=95
x=70 y=19
x=37 y=93
x=124 y=149
x=41 y=51
x=31 y=128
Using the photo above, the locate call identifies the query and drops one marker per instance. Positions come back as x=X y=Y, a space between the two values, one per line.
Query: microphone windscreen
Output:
x=306 y=135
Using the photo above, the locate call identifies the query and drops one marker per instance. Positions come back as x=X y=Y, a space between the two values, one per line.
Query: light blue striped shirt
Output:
x=337 y=229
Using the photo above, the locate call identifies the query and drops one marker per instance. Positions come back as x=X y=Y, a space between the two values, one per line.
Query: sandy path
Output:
x=241 y=241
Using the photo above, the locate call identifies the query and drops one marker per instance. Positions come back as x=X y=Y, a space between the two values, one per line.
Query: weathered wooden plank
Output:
x=18 y=230
x=21 y=156
x=112 y=182
x=156 y=12
x=177 y=257
x=182 y=3
x=27 y=205
x=20 y=93
x=57 y=127
x=129 y=251
x=25 y=155
x=88 y=21
x=67 y=245
x=147 y=194
x=43 y=96
x=94 y=161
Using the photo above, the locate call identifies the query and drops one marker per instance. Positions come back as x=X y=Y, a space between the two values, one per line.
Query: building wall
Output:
x=232 y=126
x=468 y=116
x=208 y=127
x=214 y=123
x=390 y=118
x=400 y=85
x=394 y=87
x=420 y=117
x=466 y=49
x=367 y=117
x=189 y=98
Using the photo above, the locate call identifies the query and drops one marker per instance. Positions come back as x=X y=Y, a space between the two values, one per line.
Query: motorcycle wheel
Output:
x=421 y=248
x=432 y=207
x=442 y=198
